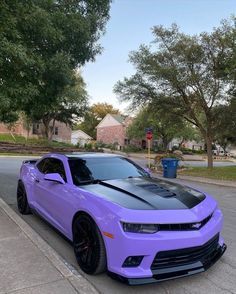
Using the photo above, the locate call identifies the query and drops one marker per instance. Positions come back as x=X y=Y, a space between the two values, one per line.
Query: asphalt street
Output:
x=143 y=162
x=221 y=278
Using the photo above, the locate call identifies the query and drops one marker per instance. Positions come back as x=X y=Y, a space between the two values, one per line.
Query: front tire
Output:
x=89 y=246
x=22 y=201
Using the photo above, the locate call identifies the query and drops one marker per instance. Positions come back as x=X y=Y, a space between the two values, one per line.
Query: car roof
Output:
x=90 y=155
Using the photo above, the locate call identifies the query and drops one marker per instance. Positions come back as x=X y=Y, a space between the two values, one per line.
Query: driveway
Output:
x=221 y=278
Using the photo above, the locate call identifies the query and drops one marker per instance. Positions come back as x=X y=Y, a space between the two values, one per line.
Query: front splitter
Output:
x=170 y=273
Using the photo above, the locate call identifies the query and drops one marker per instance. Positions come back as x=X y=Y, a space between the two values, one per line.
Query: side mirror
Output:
x=55 y=177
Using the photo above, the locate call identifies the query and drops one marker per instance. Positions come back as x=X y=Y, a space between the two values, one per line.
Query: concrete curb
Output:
x=201 y=180
x=80 y=284
x=208 y=181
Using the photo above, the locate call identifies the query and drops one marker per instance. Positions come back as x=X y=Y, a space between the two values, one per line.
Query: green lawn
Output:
x=32 y=141
x=219 y=173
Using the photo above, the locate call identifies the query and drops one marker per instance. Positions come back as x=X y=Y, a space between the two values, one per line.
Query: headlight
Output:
x=140 y=228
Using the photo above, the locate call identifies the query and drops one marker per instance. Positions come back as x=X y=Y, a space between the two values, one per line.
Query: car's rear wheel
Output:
x=22 y=201
x=89 y=247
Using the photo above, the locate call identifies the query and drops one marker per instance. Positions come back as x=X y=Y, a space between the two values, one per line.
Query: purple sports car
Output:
x=137 y=228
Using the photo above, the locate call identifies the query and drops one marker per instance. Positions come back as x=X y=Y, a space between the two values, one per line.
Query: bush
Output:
x=99 y=145
x=132 y=148
x=175 y=148
x=88 y=146
x=178 y=152
x=199 y=151
x=188 y=151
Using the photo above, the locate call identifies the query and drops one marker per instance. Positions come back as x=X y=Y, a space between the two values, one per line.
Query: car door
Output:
x=52 y=198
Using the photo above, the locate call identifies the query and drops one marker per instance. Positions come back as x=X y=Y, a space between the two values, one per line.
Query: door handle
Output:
x=37 y=180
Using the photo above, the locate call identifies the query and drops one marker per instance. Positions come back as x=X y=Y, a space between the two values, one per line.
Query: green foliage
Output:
x=99 y=145
x=183 y=75
x=165 y=125
x=32 y=141
x=93 y=116
x=41 y=43
x=225 y=128
x=132 y=148
x=67 y=106
x=158 y=158
x=191 y=151
x=220 y=173
x=88 y=146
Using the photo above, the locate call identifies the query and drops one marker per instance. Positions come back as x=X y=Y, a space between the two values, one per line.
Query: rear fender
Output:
x=28 y=176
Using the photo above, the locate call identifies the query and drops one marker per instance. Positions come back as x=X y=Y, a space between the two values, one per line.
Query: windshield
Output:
x=106 y=168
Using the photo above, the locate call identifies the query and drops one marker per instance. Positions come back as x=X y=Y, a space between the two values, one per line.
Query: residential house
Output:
x=61 y=132
x=232 y=150
x=79 y=137
x=190 y=144
x=112 y=130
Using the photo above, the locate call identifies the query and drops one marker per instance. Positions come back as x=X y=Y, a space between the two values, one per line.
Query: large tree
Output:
x=93 y=116
x=226 y=124
x=165 y=126
x=67 y=106
x=40 y=42
x=182 y=74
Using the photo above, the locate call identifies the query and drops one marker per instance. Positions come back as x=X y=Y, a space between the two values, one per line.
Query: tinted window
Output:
x=52 y=165
x=103 y=169
x=41 y=164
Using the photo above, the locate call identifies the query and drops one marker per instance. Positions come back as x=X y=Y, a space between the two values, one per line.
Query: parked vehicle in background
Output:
x=221 y=152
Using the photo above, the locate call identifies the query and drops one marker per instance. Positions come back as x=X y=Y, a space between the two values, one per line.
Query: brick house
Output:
x=61 y=131
x=112 y=130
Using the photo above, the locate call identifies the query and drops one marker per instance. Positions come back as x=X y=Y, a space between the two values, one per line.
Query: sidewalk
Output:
x=28 y=265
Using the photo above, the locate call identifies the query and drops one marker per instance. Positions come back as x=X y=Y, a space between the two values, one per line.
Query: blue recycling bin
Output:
x=170 y=166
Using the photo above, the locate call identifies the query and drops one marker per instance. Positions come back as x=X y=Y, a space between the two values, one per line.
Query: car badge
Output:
x=196 y=225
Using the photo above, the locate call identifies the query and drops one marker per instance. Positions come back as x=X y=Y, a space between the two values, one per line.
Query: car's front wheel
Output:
x=88 y=245
x=22 y=201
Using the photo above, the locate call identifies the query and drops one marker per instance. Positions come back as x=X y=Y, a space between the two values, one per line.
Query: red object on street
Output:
x=149 y=135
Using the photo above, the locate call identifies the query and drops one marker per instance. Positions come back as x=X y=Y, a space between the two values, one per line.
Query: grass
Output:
x=218 y=173
x=15 y=154
x=32 y=141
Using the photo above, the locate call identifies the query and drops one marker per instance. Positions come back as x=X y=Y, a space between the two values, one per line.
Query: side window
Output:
x=52 y=165
x=42 y=165
x=56 y=166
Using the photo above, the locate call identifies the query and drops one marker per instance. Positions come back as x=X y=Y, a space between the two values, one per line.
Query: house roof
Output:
x=117 y=117
x=81 y=132
x=120 y=118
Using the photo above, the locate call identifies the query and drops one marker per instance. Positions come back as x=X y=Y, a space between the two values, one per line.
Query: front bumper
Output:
x=149 y=245
x=167 y=273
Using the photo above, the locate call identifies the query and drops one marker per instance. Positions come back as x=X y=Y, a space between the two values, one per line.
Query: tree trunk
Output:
x=209 y=152
x=46 y=128
x=165 y=143
x=53 y=126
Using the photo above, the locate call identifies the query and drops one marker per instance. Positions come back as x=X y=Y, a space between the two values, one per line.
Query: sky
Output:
x=130 y=26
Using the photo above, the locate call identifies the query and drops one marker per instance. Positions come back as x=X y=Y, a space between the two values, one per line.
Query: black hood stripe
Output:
x=106 y=184
x=147 y=193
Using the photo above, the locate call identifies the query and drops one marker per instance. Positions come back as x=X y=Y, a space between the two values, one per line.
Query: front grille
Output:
x=184 y=226
x=172 y=258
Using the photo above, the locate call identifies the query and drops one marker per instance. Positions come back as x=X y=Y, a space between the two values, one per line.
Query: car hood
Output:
x=147 y=194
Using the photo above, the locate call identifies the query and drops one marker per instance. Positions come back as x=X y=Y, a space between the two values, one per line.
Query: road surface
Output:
x=144 y=162
x=219 y=279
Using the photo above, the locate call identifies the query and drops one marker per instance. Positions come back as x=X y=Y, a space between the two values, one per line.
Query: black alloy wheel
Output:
x=88 y=245
x=22 y=202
